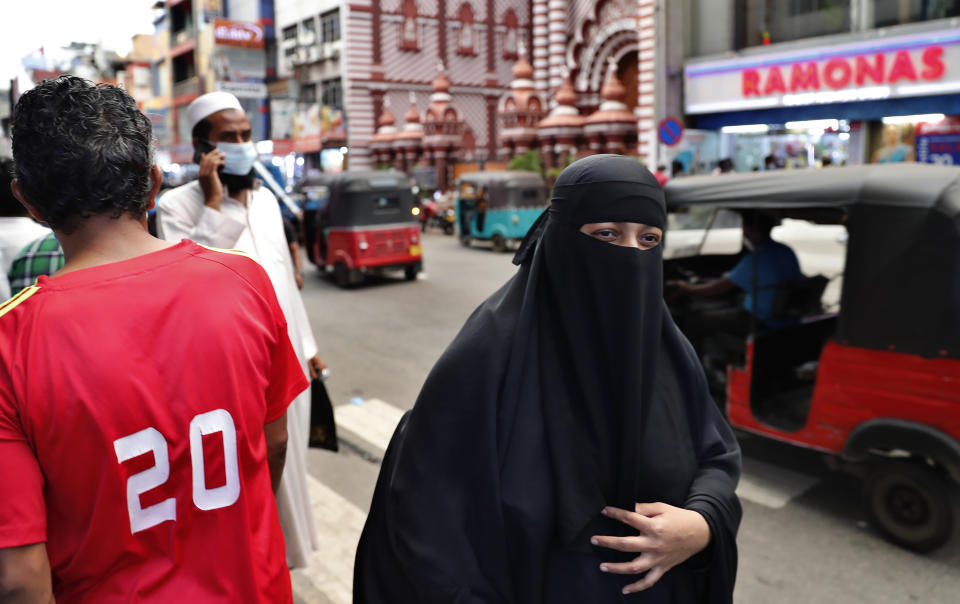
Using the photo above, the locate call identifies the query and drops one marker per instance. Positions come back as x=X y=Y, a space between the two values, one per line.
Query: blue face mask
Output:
x=239 y=157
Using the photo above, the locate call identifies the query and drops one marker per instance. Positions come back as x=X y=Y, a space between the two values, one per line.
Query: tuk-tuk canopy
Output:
x=367 y=198
x=508 y=188
x=901 y=285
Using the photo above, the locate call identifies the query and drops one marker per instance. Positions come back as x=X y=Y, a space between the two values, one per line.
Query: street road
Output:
x=803 y=537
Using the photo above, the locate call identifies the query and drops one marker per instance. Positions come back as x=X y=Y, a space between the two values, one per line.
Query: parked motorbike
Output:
x=445 y=220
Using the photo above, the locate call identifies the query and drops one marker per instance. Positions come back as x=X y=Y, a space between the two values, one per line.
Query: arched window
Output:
x=511 y=41
x=409 y=28
x=466 y=40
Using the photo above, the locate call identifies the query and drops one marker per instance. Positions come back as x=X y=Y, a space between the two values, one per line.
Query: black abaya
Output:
x=567 y=390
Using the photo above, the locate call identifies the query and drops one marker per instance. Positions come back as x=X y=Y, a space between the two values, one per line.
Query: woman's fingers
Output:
x=640 y=564
x=650 y=509
x=637 y=521
x=647 y=582
x=623 y=544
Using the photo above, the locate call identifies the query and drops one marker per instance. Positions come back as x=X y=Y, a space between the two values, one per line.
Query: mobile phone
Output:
x=203 y=147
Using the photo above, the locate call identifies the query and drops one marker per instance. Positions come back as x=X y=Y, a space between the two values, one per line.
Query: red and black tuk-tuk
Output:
x=875 y=384
x=367 y=224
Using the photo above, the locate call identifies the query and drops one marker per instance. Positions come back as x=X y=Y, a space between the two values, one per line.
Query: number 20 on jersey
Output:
x=150 y=439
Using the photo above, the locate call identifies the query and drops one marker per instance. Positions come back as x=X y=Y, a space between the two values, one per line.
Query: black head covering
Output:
x=568 y=389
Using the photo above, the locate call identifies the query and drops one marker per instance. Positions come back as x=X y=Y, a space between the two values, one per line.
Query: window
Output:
x=332 y=93
x=308 y=93
x=511 y=37
x=330 y=25
x=289 y=51
x=290 y=33
x=466 y=39
x=183 y=68
x=896 y=12
x=181 y=18
x=386 y=204
x=764 y=22
x=155 y=75
x=308 y=32
x=409 y=29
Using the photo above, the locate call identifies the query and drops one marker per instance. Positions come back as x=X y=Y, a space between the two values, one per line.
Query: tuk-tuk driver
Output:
x=776 y=264
x=481 y=208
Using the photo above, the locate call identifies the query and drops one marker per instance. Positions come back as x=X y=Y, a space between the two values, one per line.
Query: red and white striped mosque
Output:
x=458 y=73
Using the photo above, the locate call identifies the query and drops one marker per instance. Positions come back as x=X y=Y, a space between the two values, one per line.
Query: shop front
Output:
x=845 y=99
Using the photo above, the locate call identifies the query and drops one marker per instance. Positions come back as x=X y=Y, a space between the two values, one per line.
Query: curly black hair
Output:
x=82 y=149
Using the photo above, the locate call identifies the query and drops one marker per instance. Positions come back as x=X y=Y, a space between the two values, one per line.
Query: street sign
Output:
x=670 y=131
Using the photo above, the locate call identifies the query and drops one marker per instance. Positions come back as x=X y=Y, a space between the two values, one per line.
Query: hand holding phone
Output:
x=211 y=161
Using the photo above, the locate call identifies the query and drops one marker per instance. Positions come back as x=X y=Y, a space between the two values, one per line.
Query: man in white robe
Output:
x=225 y=208
x=17 y=229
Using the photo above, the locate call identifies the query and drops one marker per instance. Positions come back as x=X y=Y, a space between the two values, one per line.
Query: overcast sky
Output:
x=26 y=25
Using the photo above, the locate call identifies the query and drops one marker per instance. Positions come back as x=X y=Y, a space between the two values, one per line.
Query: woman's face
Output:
x=626 y=234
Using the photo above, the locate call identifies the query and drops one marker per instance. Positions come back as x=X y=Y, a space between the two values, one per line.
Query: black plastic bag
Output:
x=323 y=428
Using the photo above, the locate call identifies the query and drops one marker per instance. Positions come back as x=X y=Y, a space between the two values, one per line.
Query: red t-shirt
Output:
x=133 y=397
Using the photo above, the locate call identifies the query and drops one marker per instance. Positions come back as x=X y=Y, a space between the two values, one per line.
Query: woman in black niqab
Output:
x=569 y=393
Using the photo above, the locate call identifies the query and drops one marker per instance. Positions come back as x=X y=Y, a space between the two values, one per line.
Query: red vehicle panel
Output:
x=855 y=385
x=370 y=247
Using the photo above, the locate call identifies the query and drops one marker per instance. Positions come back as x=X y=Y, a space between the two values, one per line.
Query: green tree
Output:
x=529 y=161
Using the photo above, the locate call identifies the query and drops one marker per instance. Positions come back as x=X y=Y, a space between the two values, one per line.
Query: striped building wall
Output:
x=557 y=42
x=578 y=37
x=646 y=106
x=378 y=66
x=540 y=51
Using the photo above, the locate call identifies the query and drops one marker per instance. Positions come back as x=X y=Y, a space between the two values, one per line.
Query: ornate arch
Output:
x=610 y=31
x=613 y=44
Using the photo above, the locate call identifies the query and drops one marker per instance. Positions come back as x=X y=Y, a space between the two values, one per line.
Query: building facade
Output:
x=208 y=45
x=494 y=69
x=818 y=83
x=306 y=100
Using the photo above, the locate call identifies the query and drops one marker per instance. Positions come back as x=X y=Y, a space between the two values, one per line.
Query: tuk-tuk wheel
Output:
x=499 y=243
x=910 y=504
x=341 y=274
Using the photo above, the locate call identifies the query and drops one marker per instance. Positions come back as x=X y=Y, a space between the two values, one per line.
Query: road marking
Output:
x=330 y=570
x=373 y=421
x=772 y=486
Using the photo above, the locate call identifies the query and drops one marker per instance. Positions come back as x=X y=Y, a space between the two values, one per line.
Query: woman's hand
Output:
x=667 y=536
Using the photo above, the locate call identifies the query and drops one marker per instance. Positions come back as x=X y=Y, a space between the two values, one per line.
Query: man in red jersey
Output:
x=143 y=387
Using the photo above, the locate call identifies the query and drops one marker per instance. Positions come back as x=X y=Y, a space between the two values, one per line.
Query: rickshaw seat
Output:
x=800 y=298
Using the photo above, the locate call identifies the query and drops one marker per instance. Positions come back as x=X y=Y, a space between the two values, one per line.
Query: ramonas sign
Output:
x=867 y=70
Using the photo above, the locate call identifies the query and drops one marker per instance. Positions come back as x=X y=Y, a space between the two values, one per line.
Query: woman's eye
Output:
x=650 y=239
x=605 y=234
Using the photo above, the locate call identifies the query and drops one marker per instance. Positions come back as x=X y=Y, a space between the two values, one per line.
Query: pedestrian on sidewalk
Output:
x=40 y=257
x=17 y=229
x=226 y=208
x=143 y=387
x=565 y=448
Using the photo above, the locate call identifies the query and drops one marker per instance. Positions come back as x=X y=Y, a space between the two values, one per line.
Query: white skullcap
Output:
x=210 y=103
